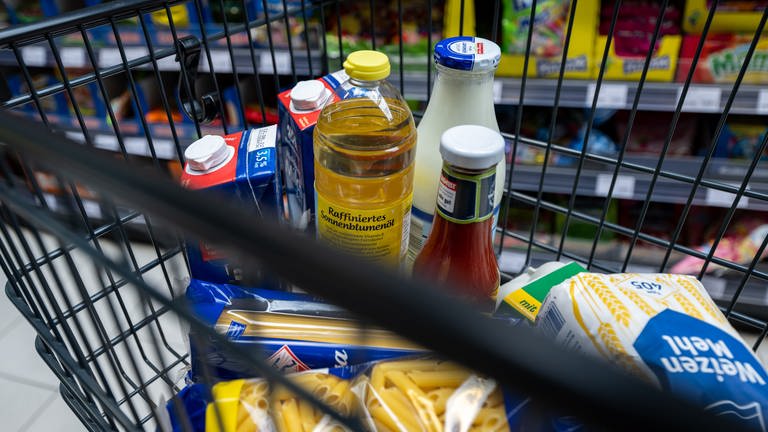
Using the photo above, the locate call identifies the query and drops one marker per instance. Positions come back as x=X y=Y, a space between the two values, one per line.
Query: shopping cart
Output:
x=93 y=222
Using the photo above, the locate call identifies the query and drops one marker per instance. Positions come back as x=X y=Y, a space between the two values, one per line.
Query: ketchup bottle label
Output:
x=466 y=199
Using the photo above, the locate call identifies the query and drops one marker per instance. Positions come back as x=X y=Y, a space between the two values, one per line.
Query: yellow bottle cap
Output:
x=367 y=65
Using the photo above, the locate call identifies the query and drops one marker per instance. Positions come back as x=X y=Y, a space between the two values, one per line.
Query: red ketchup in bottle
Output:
x=459 y=250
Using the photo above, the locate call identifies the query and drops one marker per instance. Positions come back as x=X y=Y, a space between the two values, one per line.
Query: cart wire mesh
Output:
x=94 y=226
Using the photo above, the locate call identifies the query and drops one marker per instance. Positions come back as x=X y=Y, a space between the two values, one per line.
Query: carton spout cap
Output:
x=206 y=153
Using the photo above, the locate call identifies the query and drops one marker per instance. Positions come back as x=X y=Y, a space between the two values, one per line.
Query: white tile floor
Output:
x=29 y=391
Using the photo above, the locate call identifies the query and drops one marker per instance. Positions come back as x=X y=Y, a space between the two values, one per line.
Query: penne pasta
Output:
x=425 y=409
x=400 y=407
x=435 y=379
x=337 y=392
x=259 y=388
x=491 y=419
x=439 y=398
x=277 y=415
x=405 y=384
x=495 y=398
x=308 y=381
x=307 y=415
x=290 y=412
x=377 y=377
x=380 y=415
x=380 y=427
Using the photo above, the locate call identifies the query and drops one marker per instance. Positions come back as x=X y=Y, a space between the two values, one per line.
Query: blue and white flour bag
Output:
x=663 y=328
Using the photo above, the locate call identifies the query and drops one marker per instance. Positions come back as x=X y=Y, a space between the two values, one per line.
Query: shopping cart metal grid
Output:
x=93 y=224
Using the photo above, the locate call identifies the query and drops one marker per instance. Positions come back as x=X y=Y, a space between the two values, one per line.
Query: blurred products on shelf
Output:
x=722 y=57
x=632 y=37
x=548 y=38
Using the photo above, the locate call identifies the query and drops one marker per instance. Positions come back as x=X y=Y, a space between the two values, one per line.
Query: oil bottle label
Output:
x=466 y=199
x=380 y=234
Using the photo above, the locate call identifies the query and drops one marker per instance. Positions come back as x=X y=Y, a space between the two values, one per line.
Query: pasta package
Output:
x=295 y=332
x=403 y=395
x=252 y=405
x=666 y=329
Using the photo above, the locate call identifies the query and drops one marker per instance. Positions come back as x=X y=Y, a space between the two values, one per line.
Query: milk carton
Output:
x=299 y=109
x=240 y=166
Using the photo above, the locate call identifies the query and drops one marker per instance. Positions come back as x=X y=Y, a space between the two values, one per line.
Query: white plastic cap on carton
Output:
x=472 y=147
x=309 y=95
x=206 y=153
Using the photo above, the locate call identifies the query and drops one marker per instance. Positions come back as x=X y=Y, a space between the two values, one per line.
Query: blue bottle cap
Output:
x=467 y=53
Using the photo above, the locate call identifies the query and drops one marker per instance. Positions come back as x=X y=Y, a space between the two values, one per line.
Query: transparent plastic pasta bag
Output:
x=425 y=394
x=254 y=405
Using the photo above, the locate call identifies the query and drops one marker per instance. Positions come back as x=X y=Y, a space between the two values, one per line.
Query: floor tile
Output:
x=20 y=359
x=8 y=312
x=20 y=403
x=56 y=417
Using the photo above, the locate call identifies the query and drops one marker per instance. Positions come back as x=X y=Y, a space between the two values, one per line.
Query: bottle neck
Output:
x=466 y=196
x=364 y=83
x=469 y=95
x=447 y=77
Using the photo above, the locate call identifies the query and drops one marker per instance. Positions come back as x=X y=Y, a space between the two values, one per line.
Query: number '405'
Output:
x=648 y=286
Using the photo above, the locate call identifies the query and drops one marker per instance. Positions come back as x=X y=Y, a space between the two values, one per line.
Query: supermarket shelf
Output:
x=595 y=180
x=701 y=98
x=77 y=57
x=165 y=149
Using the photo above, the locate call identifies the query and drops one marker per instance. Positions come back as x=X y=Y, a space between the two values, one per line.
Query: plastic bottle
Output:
x=462 y=94
x=459 y=250
x=364 y=147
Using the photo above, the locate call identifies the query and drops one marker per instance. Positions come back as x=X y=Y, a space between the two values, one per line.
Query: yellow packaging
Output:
x=630 y=68
x=726 y=21
x=580 y=61
x=252 y=405
x=380 y=234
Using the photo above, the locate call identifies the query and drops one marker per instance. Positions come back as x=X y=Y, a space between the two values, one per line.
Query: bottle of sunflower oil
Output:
x=364 y=147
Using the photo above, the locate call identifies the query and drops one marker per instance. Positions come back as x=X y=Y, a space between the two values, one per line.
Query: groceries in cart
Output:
x=293 y=332
x=240 y=166
x=299 y=108
x=459 y=251
x=663 y=328
x=462 y=95
x=364 y=148
x=413 y=394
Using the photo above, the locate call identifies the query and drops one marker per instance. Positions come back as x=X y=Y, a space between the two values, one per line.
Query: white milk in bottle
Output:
x=462 y=94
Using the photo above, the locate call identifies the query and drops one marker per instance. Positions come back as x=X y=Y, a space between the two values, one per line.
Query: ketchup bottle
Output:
x=459 y=249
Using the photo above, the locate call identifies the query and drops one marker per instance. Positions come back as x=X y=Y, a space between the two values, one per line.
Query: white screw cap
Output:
x=472 y=147
x=309 y=95
x=206 y=153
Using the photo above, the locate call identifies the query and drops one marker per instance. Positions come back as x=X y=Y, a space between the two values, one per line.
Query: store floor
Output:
x=29 y=391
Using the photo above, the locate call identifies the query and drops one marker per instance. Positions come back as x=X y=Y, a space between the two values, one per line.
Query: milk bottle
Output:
x=462 y=94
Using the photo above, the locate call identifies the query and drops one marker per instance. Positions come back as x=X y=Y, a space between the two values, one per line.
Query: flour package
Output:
x=663 y=328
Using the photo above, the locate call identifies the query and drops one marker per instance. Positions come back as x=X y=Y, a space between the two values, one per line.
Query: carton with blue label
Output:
x=299 y=109
x=661 y=327
x=241 y=167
